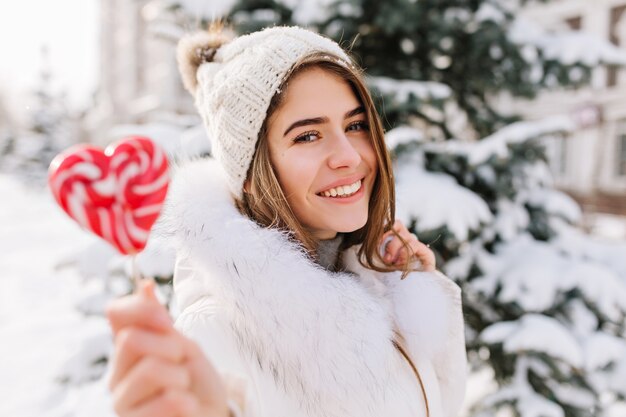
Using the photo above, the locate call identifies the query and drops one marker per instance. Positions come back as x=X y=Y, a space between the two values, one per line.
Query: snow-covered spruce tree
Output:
x=544 y=303
x=7 y=131
x=51 y=127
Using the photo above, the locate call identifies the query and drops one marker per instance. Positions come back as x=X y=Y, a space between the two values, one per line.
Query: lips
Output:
x=342 y=190
x=343 y=182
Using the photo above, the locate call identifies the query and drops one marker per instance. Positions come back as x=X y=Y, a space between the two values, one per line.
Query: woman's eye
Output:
x=307 y=137
x=356 y=126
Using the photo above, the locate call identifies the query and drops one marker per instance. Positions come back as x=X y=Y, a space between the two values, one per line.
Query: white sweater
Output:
x=302 y=340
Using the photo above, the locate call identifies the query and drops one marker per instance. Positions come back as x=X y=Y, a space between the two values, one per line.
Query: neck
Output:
x=328 y=251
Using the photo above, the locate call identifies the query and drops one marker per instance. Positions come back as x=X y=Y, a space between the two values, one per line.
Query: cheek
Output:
x=296 y=173
x=368 y=154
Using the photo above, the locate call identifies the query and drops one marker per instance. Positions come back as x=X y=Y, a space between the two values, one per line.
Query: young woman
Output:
x=301 y=293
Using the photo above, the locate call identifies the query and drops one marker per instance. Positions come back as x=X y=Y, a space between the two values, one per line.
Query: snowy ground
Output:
x=608 y=226
x=40 y=327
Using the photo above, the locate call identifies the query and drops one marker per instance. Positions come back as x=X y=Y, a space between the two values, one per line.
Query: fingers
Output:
x=141 y=310
x=205 y=380
x=156 y=386
x=396 y=252
x=171 y=402
x=425 y=255
x=150 y=376
x=133 y=343
x=156 y=371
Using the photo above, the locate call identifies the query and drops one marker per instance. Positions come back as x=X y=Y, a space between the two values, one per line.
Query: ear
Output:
x=247 y=186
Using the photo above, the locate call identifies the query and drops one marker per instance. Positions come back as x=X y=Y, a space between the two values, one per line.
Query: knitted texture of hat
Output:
x=235 y=89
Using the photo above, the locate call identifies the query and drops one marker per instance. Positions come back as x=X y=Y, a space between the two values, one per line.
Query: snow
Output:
x=607 y=225
x=510 y=220
x=566 y=47
x=458 y=268
x=583 y=320
x=194 y=142
x=616 y=378
x=531 y=285
x=436 y=200
x=267 y=15
x=529 y=403
x=304 y=13
x=533 y=405
x=497 y=144
x=179 y=142
x=457 y=15
x=402 y=89
x=535 y=333
x=309 y=12
x=534 y=280
x=556 y=203
x=200 y=9
x=403 y=135
x=600 y=286
x=40 y=328
x=577 y=244
x=572 y=395
x=489 y=12
x=158 y=258
x=167 y=30
x=166 y=135
x=616 y=410
x=601 y=349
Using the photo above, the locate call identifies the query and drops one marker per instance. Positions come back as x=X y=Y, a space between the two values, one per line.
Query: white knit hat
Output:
x=234 y=82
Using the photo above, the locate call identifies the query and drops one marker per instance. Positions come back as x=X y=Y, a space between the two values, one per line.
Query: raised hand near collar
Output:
x=396 y=254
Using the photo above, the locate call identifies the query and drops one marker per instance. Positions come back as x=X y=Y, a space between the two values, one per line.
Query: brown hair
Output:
x=266 y=203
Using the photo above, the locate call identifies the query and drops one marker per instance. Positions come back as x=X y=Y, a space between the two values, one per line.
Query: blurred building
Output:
x=139 y=81
x=590 y=163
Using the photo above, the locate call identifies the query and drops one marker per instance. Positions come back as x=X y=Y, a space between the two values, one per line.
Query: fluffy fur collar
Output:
x=325 y=335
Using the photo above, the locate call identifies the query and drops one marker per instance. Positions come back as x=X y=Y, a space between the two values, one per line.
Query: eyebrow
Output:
x=320 y=120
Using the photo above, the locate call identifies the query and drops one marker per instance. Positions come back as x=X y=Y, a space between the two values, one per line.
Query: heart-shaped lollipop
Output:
x=116 y=193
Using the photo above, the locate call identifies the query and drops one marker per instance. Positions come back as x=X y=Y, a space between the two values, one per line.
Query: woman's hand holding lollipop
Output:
x=117 y=194
x=158 y=372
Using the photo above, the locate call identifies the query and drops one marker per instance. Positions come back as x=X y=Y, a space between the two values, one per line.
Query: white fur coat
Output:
x=306 y=341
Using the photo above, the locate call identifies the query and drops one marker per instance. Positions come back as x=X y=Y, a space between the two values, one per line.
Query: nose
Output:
x=343 y=153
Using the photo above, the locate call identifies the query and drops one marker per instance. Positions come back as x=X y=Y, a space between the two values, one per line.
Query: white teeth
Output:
x=342 y=190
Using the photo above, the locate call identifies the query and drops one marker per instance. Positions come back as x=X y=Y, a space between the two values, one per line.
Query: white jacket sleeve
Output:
x=199 y=320
x=451 y=362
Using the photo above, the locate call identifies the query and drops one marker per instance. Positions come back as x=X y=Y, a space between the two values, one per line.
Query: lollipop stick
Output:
x=135 y=272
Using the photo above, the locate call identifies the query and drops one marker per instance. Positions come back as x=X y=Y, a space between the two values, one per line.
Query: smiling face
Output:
x=321 y=150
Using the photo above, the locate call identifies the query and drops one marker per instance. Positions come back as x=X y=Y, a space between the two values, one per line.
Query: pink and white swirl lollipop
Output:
x=116 y=193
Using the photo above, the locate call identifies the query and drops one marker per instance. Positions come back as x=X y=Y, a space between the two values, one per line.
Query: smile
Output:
x=342 y=191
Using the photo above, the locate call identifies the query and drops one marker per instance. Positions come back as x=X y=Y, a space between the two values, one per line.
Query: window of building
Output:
x=556 y=151
x=616 y=37
x=574 y=23
x=621 y=155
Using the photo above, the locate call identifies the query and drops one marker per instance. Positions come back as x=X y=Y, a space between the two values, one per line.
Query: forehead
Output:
x=316 y=90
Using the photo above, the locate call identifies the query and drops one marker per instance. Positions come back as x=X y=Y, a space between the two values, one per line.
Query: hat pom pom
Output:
x=196 y=49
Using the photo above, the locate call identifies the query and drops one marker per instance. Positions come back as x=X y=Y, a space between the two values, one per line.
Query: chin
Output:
x=351 y=225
